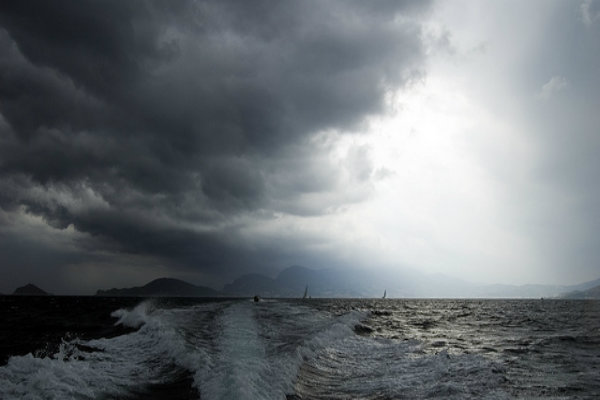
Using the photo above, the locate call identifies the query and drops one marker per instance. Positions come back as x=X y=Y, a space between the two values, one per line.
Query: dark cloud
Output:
x=153 y=125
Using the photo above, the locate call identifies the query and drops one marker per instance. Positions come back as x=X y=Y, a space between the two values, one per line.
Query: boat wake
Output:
x=231 y=350
x=241 y=350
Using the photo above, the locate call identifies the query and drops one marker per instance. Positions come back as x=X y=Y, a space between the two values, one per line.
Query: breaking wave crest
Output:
x=119 y=366
x=136 y=317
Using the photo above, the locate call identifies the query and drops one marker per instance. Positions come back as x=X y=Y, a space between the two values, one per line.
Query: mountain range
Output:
x=292 y=281
x=348 y=283
x=592 y=293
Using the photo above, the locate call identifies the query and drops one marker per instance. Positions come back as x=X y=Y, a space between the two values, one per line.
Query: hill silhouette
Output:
x=163 y=287
x=30 y=290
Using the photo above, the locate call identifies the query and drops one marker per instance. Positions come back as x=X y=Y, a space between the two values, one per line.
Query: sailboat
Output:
x=305 y=292
x=384 y=294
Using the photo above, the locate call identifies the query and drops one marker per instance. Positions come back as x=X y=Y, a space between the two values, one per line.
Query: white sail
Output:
x=384 y=294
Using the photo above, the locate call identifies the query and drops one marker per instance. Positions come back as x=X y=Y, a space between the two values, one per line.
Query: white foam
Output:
x=136 y=317
x=122 y=363
x=255 y=357
x=43 y=378
x=240 y=361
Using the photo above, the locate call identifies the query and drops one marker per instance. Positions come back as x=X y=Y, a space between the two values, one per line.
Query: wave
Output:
x=114 y=367
x=136 y=317
x=261 y=347
x=360 y=367
x=241 y=350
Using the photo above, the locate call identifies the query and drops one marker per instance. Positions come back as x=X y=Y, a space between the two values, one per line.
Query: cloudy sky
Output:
x=206 y=139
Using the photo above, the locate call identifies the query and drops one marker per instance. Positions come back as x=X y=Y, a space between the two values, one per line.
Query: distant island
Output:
x=29 y=290
x=163 y=287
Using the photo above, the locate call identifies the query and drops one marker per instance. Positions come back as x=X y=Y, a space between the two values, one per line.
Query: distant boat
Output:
x=384 y=294
x=256 y=298
x=305 y=292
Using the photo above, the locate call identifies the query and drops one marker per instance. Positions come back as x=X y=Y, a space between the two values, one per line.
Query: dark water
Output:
x=125 y=348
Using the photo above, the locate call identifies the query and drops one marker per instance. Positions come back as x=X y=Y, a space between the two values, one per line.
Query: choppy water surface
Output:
x=99 y=348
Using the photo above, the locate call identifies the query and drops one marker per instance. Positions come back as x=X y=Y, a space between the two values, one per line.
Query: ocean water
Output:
x=124 y=348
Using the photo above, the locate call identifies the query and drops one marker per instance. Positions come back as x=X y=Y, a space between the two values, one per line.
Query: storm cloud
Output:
x=169 y=128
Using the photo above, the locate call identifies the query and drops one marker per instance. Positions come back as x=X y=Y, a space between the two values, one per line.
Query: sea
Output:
x=292 y=349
